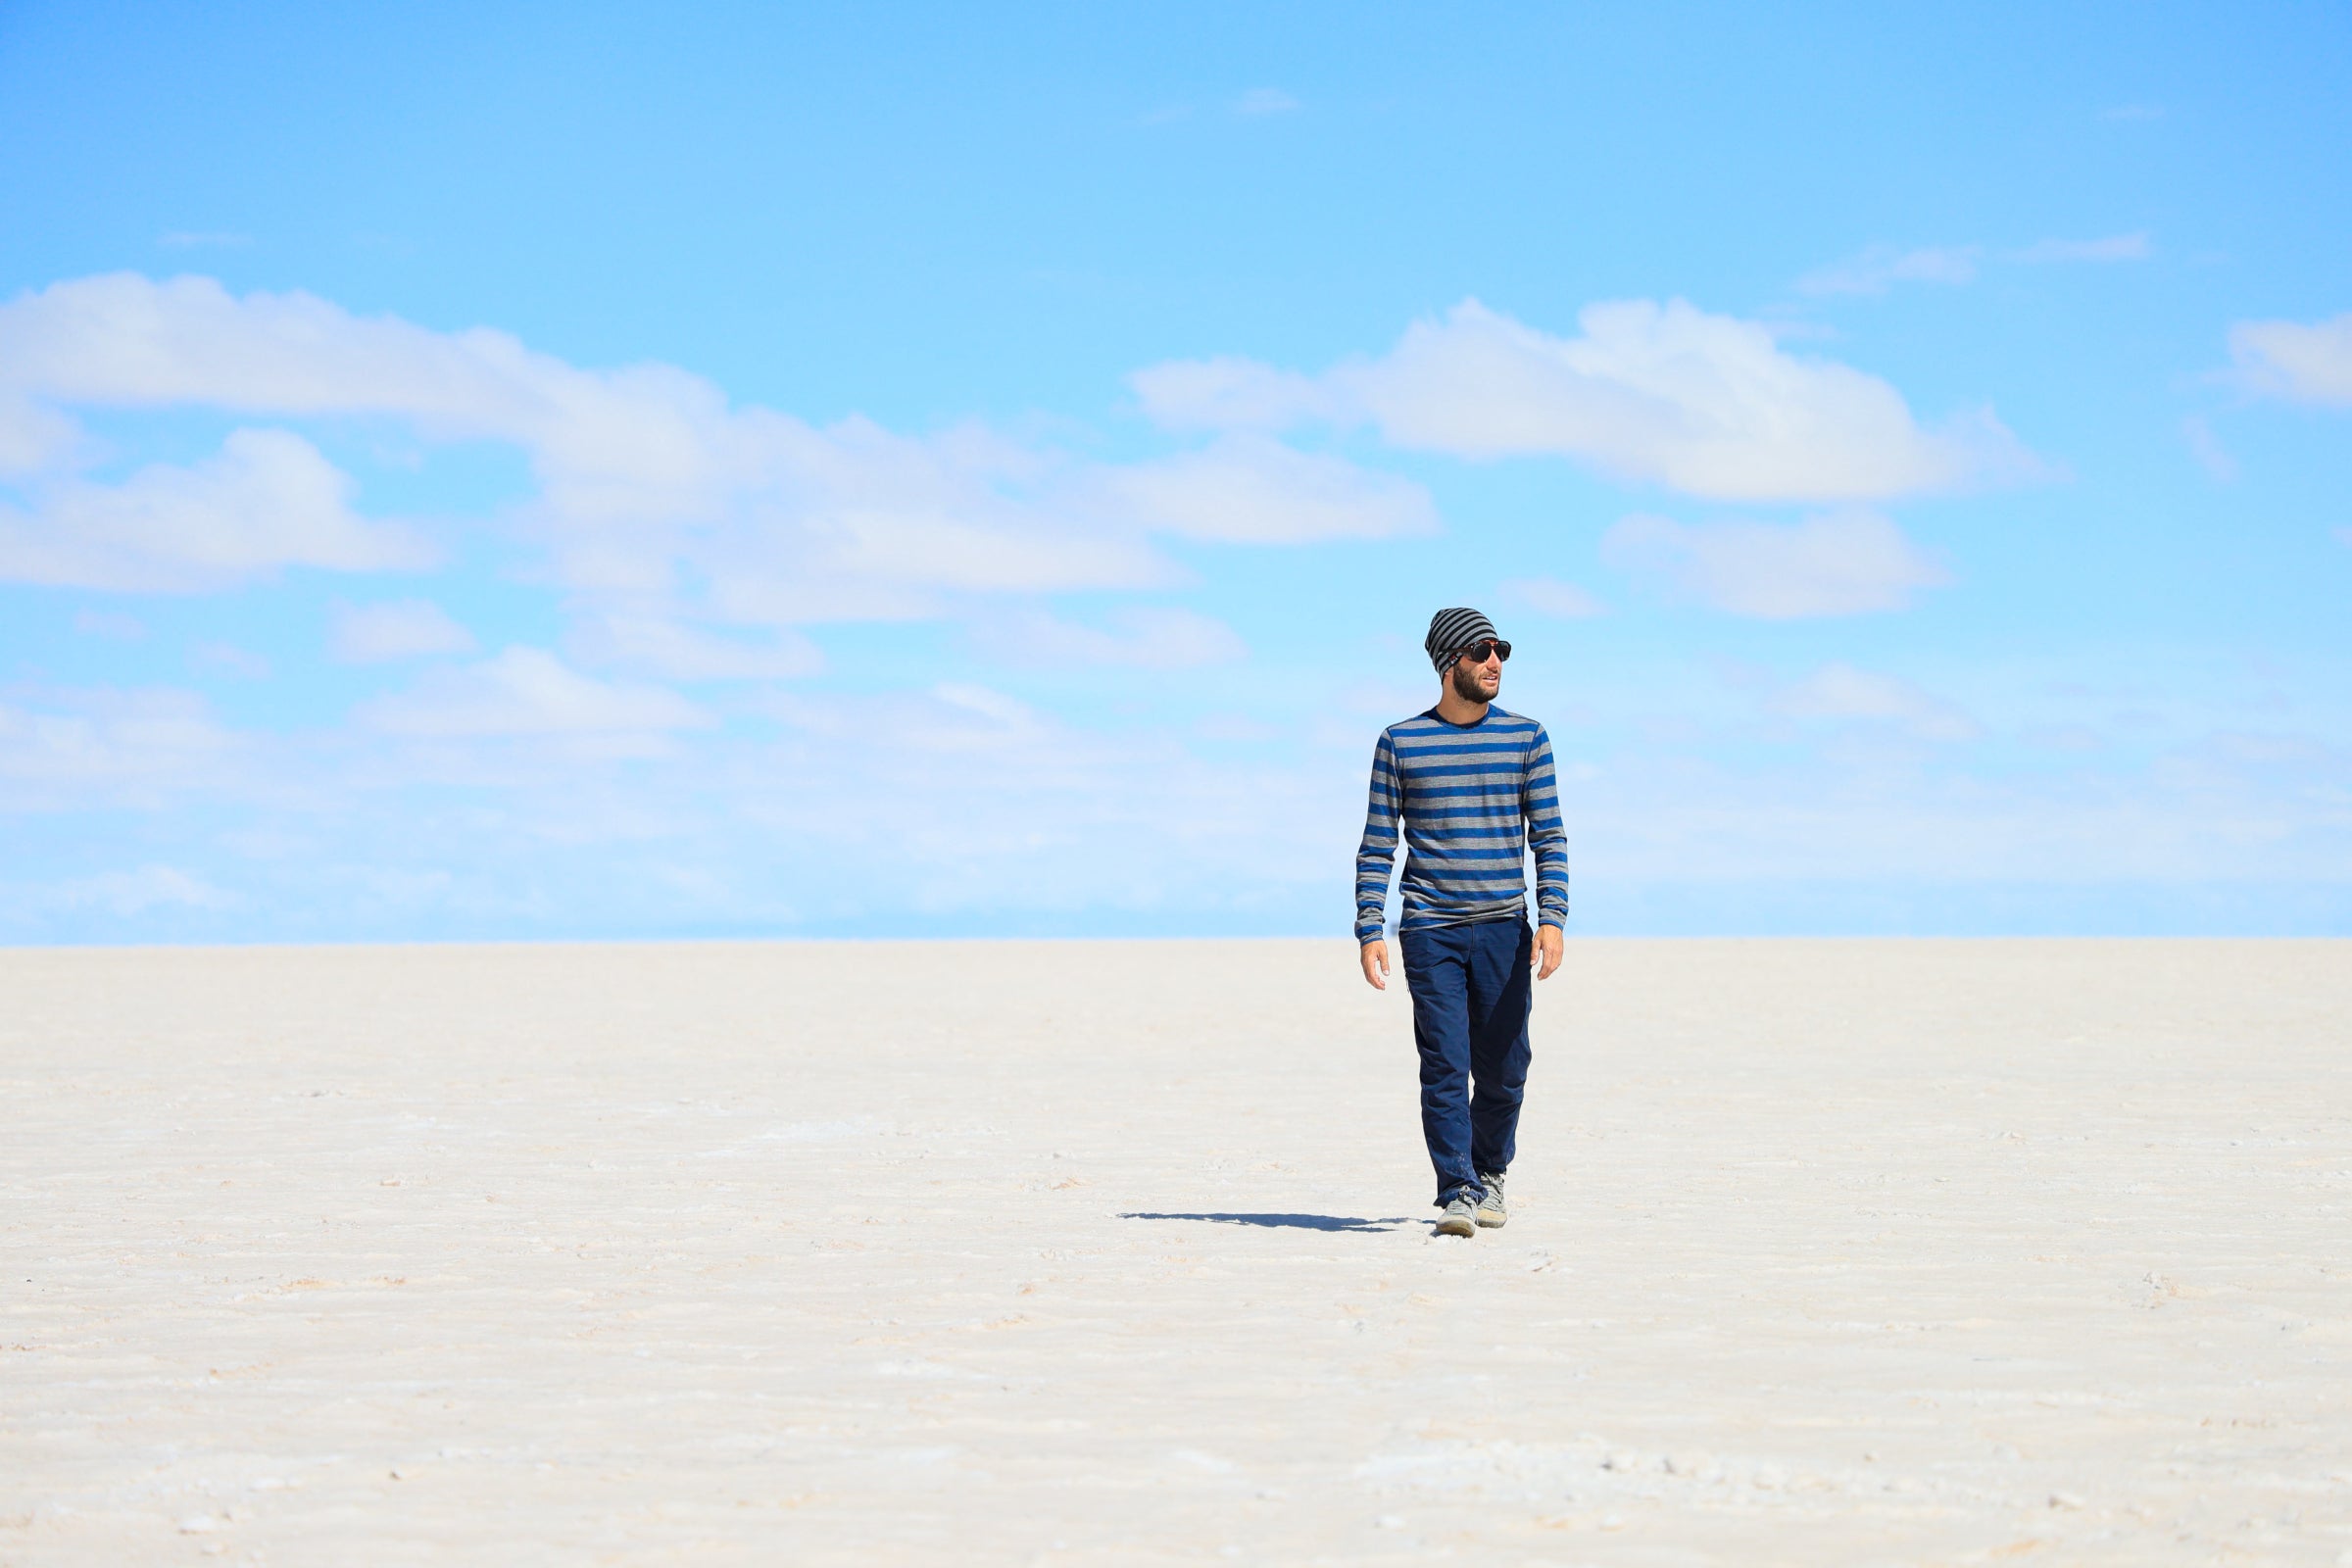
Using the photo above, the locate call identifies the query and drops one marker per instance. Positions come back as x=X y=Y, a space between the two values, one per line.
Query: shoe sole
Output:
x=1457 y=1227
x=1494 y=1224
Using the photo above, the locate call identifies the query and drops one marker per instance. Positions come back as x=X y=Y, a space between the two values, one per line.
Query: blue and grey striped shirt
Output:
x=1472 y=798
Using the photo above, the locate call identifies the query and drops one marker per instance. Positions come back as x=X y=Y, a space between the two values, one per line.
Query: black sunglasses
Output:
x=1477 y=653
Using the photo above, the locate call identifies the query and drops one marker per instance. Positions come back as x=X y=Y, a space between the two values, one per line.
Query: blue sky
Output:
x=597 y=472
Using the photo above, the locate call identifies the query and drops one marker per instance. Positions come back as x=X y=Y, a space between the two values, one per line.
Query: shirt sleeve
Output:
x=1547 y=834
x=1376 y=855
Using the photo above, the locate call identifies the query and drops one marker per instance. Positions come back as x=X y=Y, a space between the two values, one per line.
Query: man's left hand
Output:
x=1547 y=951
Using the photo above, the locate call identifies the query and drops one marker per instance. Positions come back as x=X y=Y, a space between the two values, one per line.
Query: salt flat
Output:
x=1109 y=1253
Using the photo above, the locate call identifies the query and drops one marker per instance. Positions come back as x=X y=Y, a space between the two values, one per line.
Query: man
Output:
x=1473 y=786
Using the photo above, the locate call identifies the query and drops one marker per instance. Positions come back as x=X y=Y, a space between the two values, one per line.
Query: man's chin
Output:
x=1475 y=691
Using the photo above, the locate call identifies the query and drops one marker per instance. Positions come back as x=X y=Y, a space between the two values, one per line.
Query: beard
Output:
x=1469 y=684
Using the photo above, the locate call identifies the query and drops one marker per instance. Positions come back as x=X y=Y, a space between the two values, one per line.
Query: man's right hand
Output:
x=1376 y=964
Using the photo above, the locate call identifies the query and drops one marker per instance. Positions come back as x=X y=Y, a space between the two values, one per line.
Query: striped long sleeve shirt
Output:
x=1471 y=800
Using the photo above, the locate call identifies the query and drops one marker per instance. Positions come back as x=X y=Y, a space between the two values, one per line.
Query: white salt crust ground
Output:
x=1118 y=1252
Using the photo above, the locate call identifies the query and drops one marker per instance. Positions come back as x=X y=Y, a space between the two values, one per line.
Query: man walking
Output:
x=1473 y=787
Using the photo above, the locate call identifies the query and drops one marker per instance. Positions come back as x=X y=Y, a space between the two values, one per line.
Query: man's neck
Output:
x=1456 y=709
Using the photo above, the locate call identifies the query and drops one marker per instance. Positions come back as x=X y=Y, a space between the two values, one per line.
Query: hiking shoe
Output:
x=1492 y=1209
x=1460 y=1217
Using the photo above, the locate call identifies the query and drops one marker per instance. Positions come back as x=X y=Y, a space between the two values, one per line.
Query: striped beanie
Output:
x=1452 y=630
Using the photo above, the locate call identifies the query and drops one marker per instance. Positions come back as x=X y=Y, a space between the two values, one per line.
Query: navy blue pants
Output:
x=1471 y=992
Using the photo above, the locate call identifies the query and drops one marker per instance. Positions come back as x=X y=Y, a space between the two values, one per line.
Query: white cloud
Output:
x=110 y=625
x=122 y=340
x=1707 y=405
x=1007 y=712
x=970 y=798
x=2207 y=449
x=527 y=691
x=33 y=439
x=1386 y=696
x=1839 y=563
x=267 y=501
x=72 y=750
x=2132 y=247
x=857 y=522
x=655 y=496
x=674 y=651
x=1238 y=728
x=400 y=628
x=1226 y=392
x=1548 y=596
x=2307 y=362
x=1143 y=637
x=1879 y=266
x=129 y=892
x=1260 y=100
x=1248 y=489
x=229 y=660
x=1840 y=692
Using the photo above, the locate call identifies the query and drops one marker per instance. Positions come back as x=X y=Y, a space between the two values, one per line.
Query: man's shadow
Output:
x=1296 y=1222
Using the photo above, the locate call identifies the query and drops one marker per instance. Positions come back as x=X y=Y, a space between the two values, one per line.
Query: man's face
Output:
x=1475 y=681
